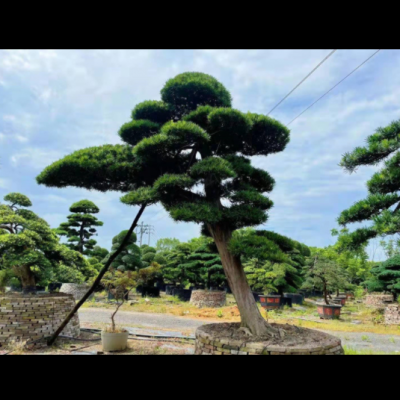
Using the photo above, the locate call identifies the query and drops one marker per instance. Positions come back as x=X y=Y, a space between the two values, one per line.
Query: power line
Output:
x=304 y=79
x=316 y=101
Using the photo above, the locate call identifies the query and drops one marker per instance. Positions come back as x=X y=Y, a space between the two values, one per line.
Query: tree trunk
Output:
x=326 y=294
x=249 y=312
x=27 y=276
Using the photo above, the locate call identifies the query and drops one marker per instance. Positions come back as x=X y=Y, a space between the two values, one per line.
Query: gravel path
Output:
x=356 y=341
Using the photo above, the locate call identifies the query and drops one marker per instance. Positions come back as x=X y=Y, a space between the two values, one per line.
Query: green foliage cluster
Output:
x=386 y=277
x=130 y=257
x=382 y=206
x=273 y=262
x=194 y=263
x=197 y=139
x=30 y=250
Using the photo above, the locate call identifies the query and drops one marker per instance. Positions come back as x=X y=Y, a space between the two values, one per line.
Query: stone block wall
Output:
x=33 y=317
x=78 y=291
x=378 y=300
x=392 y=314
x=206 y=344
x=204 y=298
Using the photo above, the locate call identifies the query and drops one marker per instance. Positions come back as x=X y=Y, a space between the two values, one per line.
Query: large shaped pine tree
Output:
x=190 y=151
x=382 y=206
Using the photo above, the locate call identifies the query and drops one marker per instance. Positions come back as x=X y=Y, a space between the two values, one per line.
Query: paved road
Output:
x=128 y=318
x=357 y=341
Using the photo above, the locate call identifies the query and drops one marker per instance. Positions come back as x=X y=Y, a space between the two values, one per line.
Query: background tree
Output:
x=130 y=257
x=177 y=270
x=382 y=206
x=29 y=248
x=166 y=244
x=199 y=141
x=386 y=277
x=207 y=262
x=148 y=254
x=80 y=227
x=273 y=262
x=100 y=253
x=323 y=274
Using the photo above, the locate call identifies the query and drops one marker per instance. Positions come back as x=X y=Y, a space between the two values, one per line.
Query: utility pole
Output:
x=150 y=231
x=142 y=229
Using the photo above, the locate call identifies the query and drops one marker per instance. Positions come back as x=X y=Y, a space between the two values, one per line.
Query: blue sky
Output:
x=53 y=102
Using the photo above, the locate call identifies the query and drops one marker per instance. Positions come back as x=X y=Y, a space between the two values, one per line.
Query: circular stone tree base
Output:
x=226 y=339
x=204 y=298
x=36 y=316
x=77 y=290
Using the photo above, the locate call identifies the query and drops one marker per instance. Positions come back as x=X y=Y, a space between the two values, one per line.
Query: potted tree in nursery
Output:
x=326 y=275
x=119 y=283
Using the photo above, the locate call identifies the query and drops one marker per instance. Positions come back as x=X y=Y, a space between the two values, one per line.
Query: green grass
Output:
x=348 y=351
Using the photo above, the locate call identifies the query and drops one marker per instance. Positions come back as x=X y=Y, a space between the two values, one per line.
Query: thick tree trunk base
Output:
x=27 y=278
x=252 y=321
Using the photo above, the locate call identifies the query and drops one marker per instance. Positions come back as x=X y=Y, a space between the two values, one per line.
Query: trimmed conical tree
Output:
x=80 y=227
x=382 y=206
x=191 y=151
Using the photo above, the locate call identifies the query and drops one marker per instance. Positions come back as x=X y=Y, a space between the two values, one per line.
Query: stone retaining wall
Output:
x=33 y=317
x=392 y=314
x=78 y=291
x=204 y=298
x=378 y=300
x=207 y=345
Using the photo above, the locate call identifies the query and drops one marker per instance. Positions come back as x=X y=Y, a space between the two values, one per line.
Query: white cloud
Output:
x=4 y=184
x=35 y=158
x=21 y=139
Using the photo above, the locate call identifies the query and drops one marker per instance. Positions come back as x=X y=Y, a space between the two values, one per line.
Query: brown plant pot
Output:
x=270 y=302
x=331 y=311
x=342 y=299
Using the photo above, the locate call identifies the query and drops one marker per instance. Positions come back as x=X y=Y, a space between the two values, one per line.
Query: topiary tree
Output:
x=206 y=260
x=382 y=206
x=198 y=142
x=148 y=254
x=80 y=227
x=178 y=270
x=386 y=277
x=273 y=262
x=130 y=257
x=28 y=246
x=100 y=253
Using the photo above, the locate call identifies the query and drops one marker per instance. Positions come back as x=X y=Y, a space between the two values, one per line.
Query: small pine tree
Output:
x=80 y=227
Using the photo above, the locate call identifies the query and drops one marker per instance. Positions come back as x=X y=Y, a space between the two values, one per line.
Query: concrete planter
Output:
x=114 y=341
